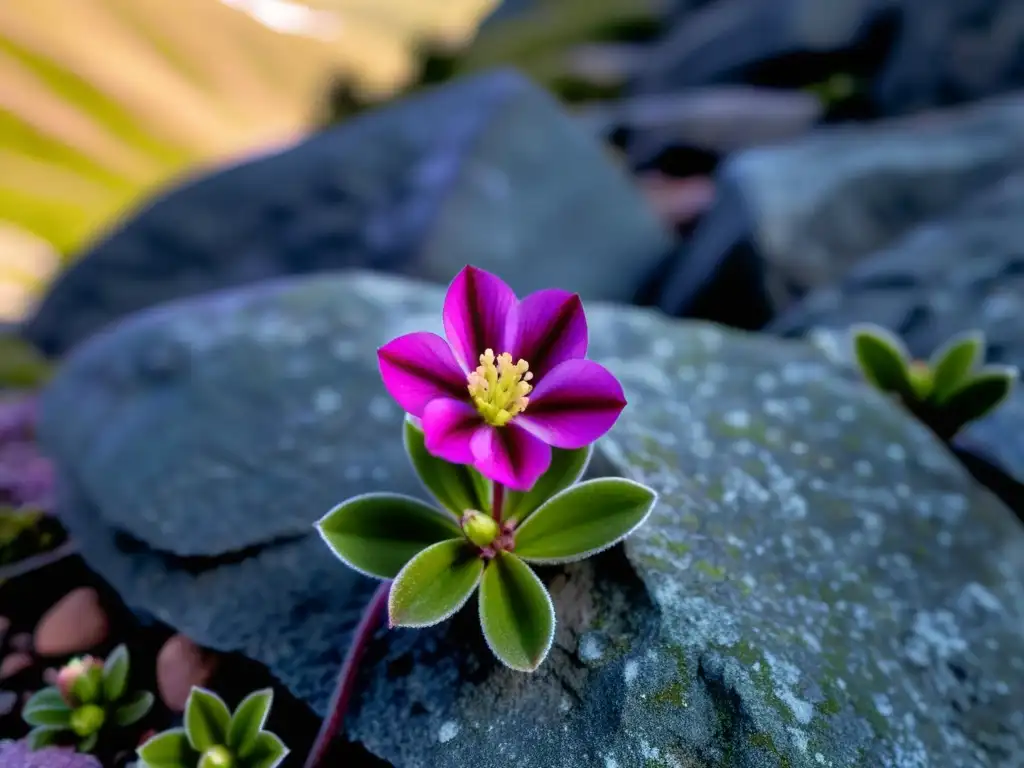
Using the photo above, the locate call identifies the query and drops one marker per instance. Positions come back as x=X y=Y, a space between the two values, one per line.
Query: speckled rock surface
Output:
x=816 y=206
x=959 y=273
x=486 y=170
x=821 y=584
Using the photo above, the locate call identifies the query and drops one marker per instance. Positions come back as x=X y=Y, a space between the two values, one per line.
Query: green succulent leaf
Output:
x=133 y=708
x=115 y=674
x=248 y=720
x=516 y=614
x=978 y=395
x=953 y=363
x=88 y=744
x=882 y=358
x=207 y=718
x=457 y=487
x=170 y=749
x=46 y=707
x=267 y=751
x=566 y=468
x=434 y=584
x=583 y=520
x=378 y=533
x=44 y=736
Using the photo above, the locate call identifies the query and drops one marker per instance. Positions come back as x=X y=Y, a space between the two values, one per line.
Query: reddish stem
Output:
x=368 y=624
x=497 y=501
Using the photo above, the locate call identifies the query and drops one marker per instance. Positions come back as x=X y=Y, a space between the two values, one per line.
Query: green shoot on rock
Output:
x=948 y=391
x=215 y=737
x=90 y=699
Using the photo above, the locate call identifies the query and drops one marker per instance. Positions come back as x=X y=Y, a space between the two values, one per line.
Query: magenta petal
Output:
x=510 y=456
x=573 y=405
x=479 y=314
x=418 y=368
x=552 y=329
x=448 y=428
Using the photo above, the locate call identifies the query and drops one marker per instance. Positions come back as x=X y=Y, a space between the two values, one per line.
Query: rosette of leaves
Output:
x=946 y=392
x=90 y=699
x=215 y=737
x=438 y=556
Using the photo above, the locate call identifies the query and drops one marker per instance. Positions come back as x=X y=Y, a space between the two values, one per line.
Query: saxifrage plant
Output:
x=215 y=737
x=948 y=391
x=502 y=417
x=90 y=698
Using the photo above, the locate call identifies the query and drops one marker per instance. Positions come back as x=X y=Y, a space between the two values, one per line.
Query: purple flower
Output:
x=510 y=382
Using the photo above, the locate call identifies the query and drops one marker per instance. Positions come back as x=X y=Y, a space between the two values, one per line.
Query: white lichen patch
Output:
x=448 y=731
x=785 y=676
x=592 y=648
x=630 y=670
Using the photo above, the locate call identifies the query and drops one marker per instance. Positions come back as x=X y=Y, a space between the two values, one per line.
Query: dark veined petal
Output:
x=448 y=429
x=420 y=367
x=479 y=314
x=552 y=329
x=573 y=405
x=510 y=456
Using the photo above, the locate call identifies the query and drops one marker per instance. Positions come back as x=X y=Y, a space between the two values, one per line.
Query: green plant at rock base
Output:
x=948 y=391
x=214 y=737
x=89 y=699
x=500 y=445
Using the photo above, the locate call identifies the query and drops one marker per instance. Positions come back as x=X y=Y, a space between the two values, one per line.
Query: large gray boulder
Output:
x=814 y=207
x=486 y=170
x=820 y=584
x=962 y=272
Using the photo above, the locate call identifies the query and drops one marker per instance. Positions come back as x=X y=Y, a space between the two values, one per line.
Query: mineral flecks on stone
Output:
x=821 y=583
x=487 y=170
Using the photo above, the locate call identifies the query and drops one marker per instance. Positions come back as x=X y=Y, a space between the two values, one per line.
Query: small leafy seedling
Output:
x=214 y=737
x=89 y=699
x=948 y=391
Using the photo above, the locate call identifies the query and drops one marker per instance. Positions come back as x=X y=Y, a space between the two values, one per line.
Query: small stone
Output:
x=22 y=641
x=180 y=665
x=8 y=701
x=74 y=624
x=14 y=663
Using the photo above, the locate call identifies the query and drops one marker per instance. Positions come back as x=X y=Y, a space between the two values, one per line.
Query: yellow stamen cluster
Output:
x=499 y=387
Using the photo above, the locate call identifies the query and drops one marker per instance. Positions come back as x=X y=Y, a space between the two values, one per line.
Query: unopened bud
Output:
x=85 y=721
x=480 y=529
x=79 y=680
x=217 y=757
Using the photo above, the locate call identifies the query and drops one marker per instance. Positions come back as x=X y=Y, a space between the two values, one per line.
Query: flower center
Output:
x=499 y=387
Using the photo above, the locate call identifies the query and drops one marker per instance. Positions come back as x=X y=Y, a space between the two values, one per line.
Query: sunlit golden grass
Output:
x=104 y=100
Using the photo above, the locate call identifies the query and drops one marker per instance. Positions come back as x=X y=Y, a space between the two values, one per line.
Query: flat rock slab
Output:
x=486 y=170
x=821 y=582
x=959 y=273
x=814 y=207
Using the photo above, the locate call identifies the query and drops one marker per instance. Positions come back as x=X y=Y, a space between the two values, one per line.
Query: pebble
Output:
x=8 y=701
x=180 y=665
x=74 y=624
x=14 y=663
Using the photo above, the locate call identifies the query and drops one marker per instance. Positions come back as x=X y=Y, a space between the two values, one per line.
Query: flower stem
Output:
x=368 y=624
x=497 y=501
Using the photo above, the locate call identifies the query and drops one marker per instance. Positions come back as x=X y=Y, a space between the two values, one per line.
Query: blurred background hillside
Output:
x=102 y=100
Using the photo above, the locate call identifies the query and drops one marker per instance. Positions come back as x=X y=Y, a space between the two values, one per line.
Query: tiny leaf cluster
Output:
x=215 y=737
x=89 y=698
x=438 y=556
x=948 y=391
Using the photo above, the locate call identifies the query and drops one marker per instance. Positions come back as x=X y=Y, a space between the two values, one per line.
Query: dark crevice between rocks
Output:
x=731 y=721
x=197 y=564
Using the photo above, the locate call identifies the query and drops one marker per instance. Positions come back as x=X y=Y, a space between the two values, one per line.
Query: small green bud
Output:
x=920 y=376
x=217 y=757
x=88 y=719
x=480 y=529
x=86 y=689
